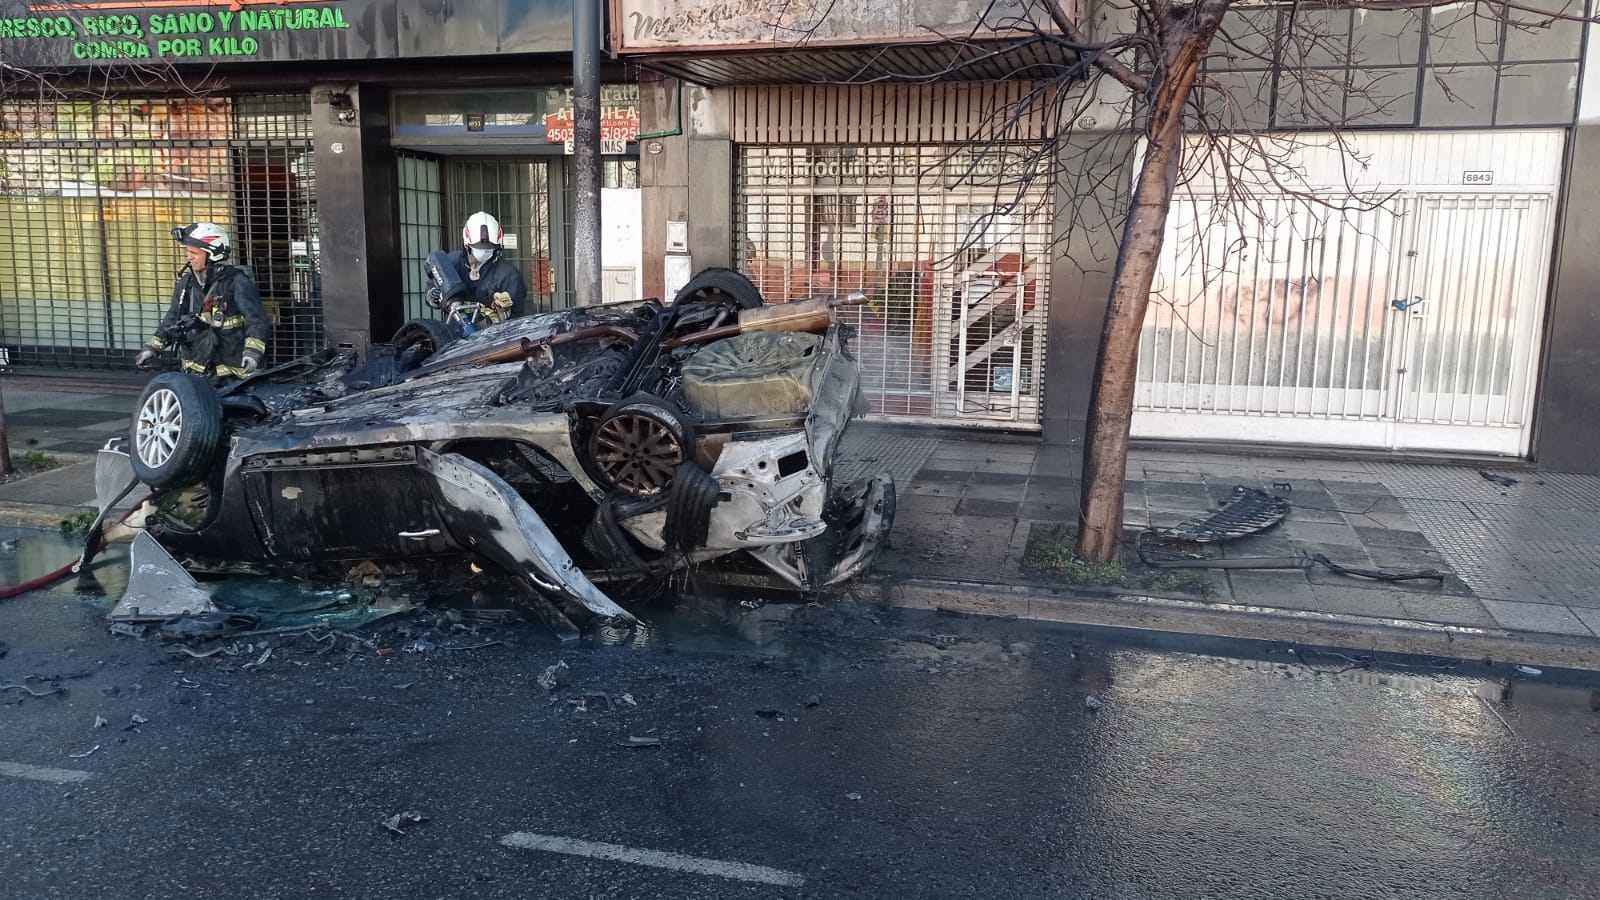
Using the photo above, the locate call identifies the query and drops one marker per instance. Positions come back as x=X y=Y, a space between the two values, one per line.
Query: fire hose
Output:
x=93 y=543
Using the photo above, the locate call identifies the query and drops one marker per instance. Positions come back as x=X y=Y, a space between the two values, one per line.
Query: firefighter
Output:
x=215 y=321
x=495 y=281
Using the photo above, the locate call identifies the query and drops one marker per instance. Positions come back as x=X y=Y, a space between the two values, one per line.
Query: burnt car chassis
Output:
x=606 y=444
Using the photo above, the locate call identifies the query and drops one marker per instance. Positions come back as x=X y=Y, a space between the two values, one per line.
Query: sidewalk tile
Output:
x=987 y=476
x=935 y=489
x=1354 y=601
x=1536 y=617
x=1282 y=590
x=1320 y=533
x=988 y=508
x=1392 y=538
x=1589 y=617
x=1010 y=490
x=1064 y=511
x=1446 y=610
x=926 y=503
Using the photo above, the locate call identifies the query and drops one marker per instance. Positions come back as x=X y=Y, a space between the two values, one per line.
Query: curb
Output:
x=1235 y=621
x=36 y=515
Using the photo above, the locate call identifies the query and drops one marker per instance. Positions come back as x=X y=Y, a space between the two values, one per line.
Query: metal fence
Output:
x=89 y=193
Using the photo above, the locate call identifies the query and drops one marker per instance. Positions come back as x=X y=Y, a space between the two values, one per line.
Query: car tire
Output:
x=176 y=430
x=637 y=445
x=721 y=281
x=419 y=339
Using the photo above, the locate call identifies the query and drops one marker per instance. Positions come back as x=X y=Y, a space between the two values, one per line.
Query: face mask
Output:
x=482 y=254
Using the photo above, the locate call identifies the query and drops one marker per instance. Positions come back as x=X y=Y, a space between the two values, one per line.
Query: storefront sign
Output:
x=57 y=34
x=618 y=128
x=643 y=26
x=962 y=167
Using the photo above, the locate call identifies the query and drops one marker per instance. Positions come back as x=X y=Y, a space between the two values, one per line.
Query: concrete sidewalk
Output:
x=1522 y=560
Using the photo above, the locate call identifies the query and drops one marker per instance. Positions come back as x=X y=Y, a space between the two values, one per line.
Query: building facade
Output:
x=1432 y=298
x=338 y=142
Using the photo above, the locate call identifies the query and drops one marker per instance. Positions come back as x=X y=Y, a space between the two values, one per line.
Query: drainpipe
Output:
x=586 y=151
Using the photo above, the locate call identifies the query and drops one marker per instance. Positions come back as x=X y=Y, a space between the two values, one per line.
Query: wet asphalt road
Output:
x=1208 y=770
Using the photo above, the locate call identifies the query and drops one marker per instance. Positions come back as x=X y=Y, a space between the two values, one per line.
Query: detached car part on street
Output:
x=588 y=445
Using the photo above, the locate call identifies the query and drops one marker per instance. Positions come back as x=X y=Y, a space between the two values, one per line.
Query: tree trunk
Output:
x=1105 y=443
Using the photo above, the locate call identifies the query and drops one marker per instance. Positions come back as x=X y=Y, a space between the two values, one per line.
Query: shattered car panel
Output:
x=587 y=444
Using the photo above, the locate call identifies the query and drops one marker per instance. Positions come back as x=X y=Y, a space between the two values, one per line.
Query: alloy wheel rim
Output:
x=158 y=427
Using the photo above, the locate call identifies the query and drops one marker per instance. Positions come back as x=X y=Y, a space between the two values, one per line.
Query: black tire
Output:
x=419 y=339
x=719 y=281
x=637 y=445
x=176 y=430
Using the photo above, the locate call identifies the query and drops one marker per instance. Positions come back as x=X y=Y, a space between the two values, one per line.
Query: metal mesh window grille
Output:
x=421 y=228
x=89 y=193
x=518 y=193
x=953 y=247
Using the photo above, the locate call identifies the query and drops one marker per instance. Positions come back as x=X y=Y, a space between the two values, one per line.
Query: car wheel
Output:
x=718 y=281
x=638 y=444
x=176 y=430
x=419 y=339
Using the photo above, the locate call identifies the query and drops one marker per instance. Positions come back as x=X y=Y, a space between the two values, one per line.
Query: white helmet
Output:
x=482 y=235
x=207 y=236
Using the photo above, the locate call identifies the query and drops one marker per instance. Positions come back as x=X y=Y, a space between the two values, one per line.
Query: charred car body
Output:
x=588 y=445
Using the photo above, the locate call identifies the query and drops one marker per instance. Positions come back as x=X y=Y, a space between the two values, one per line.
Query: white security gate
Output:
x=953 y=250
x=1403 y=313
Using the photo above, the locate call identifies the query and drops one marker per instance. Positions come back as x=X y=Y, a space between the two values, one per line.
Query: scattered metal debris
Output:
x=853 y=795
x=30 y=691
x=555 y=676
x=598 y=701
x=127 y=630
x=265 y=655
x=88 y=752
x=1530 y=670
x=158 y=588
x=1092 y=702
x=813 y=701
x=1502 y=480
x=1248 y=511
x=207 y=625
x=628 y=699
x=100 y=722
x=640 y=742
x=408 y=817
x=770 y=713
x=198 y=654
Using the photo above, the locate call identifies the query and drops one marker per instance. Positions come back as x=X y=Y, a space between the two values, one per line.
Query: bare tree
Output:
x=1167 y=75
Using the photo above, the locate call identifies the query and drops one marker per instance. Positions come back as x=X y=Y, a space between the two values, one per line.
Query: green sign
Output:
x=174 y=36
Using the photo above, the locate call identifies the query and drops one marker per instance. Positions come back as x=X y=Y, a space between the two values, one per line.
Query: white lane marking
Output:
x=549 y=843
x=43 y=773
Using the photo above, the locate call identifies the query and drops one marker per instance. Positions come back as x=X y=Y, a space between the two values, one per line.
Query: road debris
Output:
x=1092 y=702
x=555 y=676
x=628 y=699
x=30 y=691
x=813 y=701
x=88 y=752
x=1530 y=670
x=198 y=654
x=770 y=714
x=134 y=721
x=126 y=629
x=408 y=817
x=1502 y=480
x=207 y=625
x=100 y=722
x=599 y=701
x=853 y=795
x=633 y=741
x=265 y=655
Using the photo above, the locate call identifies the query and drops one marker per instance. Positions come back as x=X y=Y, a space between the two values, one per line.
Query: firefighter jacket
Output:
x=498 y=274
x=214 y=325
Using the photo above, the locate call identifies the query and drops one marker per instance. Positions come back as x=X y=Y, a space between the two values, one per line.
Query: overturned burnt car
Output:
x=594 y=444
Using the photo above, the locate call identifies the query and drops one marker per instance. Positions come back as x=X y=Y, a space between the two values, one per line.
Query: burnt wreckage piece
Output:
x=1250 y=511
x=589 y=444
